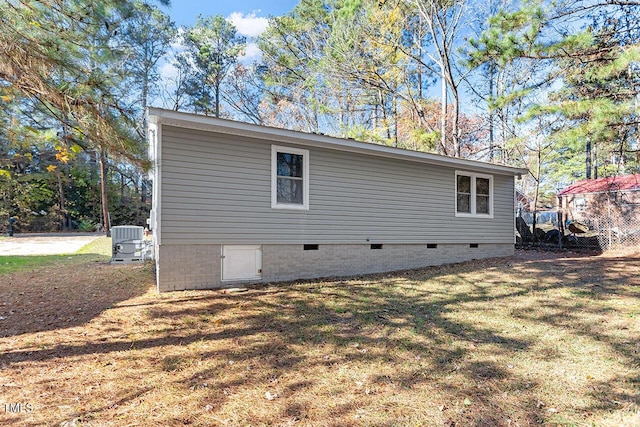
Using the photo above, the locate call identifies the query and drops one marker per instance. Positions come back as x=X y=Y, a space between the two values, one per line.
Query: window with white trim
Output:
x=580 y=204
x=289 y=178
x=474 y=194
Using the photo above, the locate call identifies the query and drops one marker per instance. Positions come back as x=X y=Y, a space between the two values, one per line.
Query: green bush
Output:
x=86 y=225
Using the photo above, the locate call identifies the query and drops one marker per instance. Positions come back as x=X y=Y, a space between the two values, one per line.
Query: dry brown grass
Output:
x=535 y=339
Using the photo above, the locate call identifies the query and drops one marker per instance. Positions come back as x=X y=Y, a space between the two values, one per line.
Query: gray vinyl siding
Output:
x=217 y=189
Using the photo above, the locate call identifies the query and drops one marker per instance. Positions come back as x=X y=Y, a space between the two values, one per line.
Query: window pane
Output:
x=290 y=165
x=482 y=186
x=290 y=191
x=464 y=203
x=482 y=204
x=464 y=184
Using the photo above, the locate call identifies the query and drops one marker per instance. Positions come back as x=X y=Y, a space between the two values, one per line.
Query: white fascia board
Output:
x=270 y=134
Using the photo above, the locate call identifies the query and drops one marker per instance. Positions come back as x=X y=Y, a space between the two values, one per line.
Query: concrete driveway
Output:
x=45 y=244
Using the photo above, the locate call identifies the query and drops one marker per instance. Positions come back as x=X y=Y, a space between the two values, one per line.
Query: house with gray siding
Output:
x=241 y=203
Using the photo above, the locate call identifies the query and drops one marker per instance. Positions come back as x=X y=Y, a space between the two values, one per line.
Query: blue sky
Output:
x=184 y=12
x=250 y=18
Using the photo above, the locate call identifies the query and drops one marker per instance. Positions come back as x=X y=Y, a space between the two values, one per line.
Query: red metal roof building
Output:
x=603 y=185
x=591 y=198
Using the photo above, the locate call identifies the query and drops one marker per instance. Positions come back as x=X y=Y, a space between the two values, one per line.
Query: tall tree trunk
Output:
x=145 y=124
x=443 y=113
x=588 y=159
x=103 y=191
x=316 y=118
x=418 y=44
x=491 y=141
x=455 y=126
x=217 y=110
x=145 y=100
x=395 y=121
x=385 y=115
x=595 y=161
x=537 y=194
x=122 y=185
x=420 y=90
x=61 y=199
x=69 y=188
x=374 y=118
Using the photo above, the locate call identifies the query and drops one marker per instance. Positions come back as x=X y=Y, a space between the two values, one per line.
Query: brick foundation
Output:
x=185 y=267
x=182 y=267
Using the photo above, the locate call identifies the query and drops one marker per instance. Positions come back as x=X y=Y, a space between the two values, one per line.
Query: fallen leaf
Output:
x=270 y=396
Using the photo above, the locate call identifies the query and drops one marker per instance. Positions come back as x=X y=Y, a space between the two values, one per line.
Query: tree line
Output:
x=550 y=86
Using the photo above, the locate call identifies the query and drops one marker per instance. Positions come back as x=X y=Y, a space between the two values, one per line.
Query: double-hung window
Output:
x=289 y=178
x=474 y=195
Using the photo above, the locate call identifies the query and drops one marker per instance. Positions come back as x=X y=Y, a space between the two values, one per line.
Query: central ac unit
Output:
x=127 y=244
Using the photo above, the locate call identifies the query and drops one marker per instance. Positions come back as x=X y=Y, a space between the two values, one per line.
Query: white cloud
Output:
x=168 y=71
x=251 y=52
x=248 y=25
x=178 y=42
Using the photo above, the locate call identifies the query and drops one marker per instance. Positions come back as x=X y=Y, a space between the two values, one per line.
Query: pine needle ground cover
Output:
x=535 y=339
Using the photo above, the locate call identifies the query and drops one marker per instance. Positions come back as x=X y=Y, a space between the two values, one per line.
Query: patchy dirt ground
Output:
x=536 y=339
x=45 y=244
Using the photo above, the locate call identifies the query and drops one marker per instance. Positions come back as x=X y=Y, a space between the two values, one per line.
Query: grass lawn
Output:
x=98 y=250
x=535 y=339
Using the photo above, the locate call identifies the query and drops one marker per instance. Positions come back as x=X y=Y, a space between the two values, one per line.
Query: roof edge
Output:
x=606 y=184
x=231 y=127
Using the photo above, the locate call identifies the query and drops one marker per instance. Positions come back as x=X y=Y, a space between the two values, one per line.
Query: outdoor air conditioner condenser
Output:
x=127 y=244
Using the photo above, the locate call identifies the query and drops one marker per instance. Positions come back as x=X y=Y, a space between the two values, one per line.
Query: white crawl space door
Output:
x=241 y=262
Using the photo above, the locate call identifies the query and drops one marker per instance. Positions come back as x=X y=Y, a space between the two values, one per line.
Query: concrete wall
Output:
x=182 y=267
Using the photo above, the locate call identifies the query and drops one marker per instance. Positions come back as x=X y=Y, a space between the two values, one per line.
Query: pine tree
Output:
x=589 y=52
x=212 y=47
